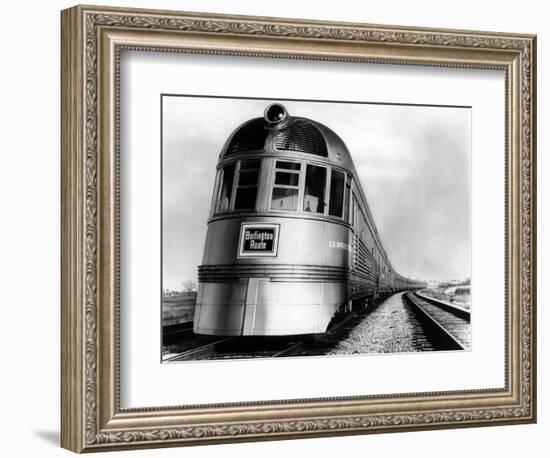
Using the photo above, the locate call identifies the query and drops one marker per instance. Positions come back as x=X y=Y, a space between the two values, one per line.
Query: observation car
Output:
x=291 y=242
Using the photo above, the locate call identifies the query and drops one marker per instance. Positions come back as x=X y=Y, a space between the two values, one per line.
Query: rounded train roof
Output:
x=278 y=132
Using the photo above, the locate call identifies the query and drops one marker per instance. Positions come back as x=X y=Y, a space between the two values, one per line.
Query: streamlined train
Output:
x=291 y=242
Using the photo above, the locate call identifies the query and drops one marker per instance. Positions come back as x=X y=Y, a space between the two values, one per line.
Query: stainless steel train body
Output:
x=290 y=239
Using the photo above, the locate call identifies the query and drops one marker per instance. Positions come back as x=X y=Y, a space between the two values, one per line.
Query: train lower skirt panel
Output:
x=259 y=306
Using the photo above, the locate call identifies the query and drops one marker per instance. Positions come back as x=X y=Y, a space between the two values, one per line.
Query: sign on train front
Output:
x=258 y=240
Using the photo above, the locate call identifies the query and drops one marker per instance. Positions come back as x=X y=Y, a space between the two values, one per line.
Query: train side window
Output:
x=226 y=188
x=247 y=185
x=314 y=195
x=353 y=216
x=286 y=186
x=336 y=201
x=347 y=203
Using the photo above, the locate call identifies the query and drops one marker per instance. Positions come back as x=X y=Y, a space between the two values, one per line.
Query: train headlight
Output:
x=275 y=113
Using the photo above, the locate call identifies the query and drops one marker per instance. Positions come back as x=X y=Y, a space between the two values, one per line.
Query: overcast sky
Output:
x=413 y=163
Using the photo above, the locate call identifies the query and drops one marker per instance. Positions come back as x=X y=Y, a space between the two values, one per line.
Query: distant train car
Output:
x=290 y=241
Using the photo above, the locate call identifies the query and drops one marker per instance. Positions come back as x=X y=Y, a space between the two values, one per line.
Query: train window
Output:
x=353 y=216
x=247 y=186
x=286 y=178
x=227 y=187
x=314 y=195
x=347 y=203
x=248 y=177
x=336 y=202
x=285 y=189
x=284 y=199
x=288 y=165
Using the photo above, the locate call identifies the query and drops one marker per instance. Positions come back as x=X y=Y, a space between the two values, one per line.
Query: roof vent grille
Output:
x=301 y=136
x=250 y=136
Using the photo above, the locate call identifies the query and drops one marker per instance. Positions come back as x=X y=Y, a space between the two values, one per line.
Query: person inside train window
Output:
x=226 y=188
x=336 y=202
x=285 y=187
x=314 y=195
x=247 y=186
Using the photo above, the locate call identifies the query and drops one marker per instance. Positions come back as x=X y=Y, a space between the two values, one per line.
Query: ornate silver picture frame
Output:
x=94 y=39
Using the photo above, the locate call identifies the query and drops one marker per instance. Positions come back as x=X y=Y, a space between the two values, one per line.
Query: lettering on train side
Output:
x=339 y=245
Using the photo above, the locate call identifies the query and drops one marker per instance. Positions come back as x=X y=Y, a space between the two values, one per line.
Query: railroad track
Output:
x=188 y=348
x=447 y=325
x=174 y=331
x=240 y=347
x=183 y=345
x=179 y=338
x=198 y=352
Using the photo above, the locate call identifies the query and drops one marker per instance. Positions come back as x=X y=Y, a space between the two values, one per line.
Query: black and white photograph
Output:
x=313 y=228
x=275 y=229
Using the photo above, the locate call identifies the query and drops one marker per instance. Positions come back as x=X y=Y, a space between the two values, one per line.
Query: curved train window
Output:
x=226 y=188
x=336 y=202
x=247 y=185
x=314 y=195
x=286 y=186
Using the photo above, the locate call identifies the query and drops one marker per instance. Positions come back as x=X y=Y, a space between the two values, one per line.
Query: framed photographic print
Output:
x=277 y=228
